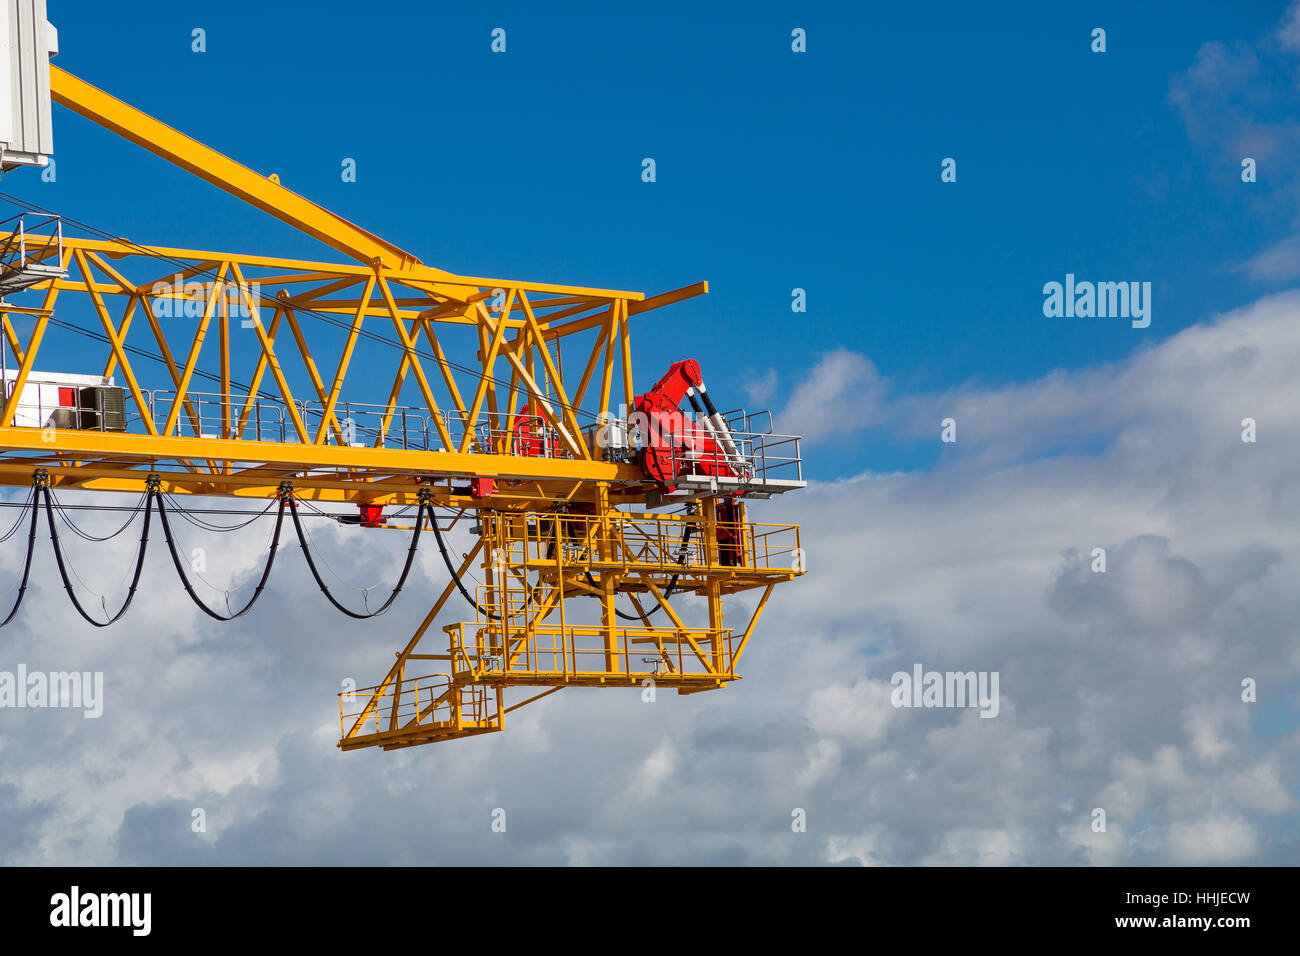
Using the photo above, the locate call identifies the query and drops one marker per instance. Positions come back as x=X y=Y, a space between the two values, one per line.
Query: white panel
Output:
x=26 y=42
x=8 y=74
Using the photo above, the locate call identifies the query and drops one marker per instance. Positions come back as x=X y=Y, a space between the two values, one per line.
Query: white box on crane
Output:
x=66 y=400
x=27 y=41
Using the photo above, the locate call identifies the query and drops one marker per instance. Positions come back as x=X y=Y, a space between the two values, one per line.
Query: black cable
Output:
x=222 y=528
x=451 y=569
x=185 y=581
x=311 y=506
x=401 y=581
x=86 y=535
x=63 y=571
x=13 y=504
x=27 y=563
x=672 y=582
x=64 y=506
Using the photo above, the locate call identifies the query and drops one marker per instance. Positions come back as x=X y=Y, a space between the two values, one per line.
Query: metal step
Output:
x=756 y=487
x=24 y=275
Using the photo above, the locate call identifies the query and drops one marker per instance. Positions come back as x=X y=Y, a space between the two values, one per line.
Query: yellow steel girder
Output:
x=539 y=562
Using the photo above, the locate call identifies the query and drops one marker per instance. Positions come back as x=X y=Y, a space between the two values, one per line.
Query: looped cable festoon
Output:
x=401 y=581
x=42 y=480
x=682 y=551
x=153 y=484
x=451 y=568
x=41 y=494
x=34 y=502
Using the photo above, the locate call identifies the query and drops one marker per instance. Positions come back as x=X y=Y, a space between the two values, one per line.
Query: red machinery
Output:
x=672 y=444
x=529 y=438
x=372 y=516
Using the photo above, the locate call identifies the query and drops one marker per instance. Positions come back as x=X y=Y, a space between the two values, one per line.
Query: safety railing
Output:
x=544 y=653
x=772 y=547
x=760 y=460
x=527 y=435
x=775 y=457
x=26 y=256
x=214 y=415
x=217 y=415
x=638 y=542
x=748 y=423
x=431 y=702
x=371 y=425
x=72 y=407
x=751 y=460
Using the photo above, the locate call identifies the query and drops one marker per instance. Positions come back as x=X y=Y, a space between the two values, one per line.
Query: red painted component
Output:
x=673 y=386
x=372 y=516
x=67 y=397
x=482 y=487
x=671 y=444
x=528 y=433
x=728 y=532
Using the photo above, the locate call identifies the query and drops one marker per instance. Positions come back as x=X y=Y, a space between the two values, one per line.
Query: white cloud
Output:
x=856 y=713
x=1119 y=691
x=979 y=847
x=656 y=770
x=1138 y=783
x=1288 y=32
x=758 y=389
x=863 y=849
x=837 y=397
x=1213 y=839
x=1278 y=262
x=1233 y=109
x=1261 y=788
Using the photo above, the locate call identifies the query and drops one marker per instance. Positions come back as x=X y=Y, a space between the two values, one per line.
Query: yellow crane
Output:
x=584 y=514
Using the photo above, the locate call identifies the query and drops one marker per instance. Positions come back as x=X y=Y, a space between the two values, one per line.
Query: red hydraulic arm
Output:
x=672 y=443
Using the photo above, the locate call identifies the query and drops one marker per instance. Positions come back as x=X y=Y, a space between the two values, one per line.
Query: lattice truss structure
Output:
x=385 y=382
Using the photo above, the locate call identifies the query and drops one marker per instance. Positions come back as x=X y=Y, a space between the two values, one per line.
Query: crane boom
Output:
x=569 y=489
x=263 y=192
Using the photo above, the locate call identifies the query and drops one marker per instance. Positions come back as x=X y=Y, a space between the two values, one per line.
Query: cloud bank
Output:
x=1120 y=691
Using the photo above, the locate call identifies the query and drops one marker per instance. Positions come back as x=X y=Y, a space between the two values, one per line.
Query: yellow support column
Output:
x=224 y=341
x=605 y=552
x=709 y=516
x=494 y=596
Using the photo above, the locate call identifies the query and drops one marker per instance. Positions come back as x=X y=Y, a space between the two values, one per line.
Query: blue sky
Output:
x=775 y=170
